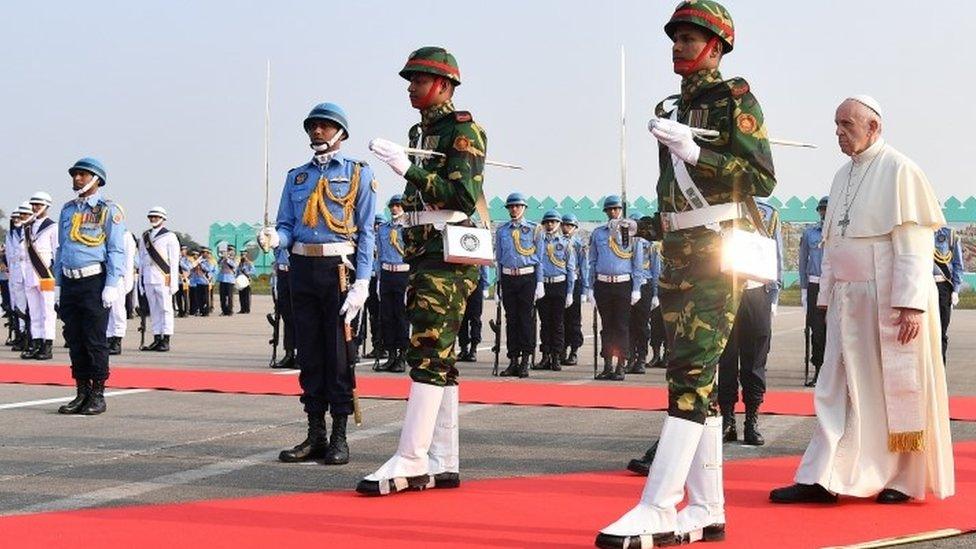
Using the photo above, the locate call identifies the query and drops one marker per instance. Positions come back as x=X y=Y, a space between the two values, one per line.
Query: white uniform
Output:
x=15 y=254
x=159 y=287
x=40 y=294
x=116 y=317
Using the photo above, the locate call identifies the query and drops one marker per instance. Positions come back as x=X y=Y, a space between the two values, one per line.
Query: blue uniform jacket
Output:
x=91 y=230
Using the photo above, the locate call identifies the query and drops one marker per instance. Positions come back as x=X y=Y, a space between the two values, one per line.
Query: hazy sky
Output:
x=170 y=95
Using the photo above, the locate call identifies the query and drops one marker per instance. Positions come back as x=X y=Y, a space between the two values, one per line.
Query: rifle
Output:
x=596 y=340
x=26 y=330
x=351 y=346
x=807 y=382
x=496 y=326
x=378 y=329
x=143 y=313
x=275 y=321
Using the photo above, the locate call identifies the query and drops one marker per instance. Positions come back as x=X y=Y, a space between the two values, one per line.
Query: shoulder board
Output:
x=737 y=86
x=462 y=116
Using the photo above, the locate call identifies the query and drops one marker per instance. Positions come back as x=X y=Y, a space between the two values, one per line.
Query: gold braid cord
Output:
x=943 y=258
x=617 y=250
x=316 y=205
x=395 y=241
x=77 y=236
x=517 y=240
x=550 y=251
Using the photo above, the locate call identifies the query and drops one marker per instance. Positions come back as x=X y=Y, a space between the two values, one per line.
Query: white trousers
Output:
x=116 y=318
x=41 y=305
x=160 y=308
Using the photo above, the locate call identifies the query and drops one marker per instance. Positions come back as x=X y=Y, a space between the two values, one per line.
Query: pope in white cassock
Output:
x=881 y=402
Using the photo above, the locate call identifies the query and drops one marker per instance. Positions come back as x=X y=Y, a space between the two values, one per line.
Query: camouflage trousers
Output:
x=436 y=297
x=698 y=303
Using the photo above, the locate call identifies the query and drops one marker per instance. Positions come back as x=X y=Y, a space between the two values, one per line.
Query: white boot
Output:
x=409 y=467
x=704 y=517
x=653 y=522
x=444 y=446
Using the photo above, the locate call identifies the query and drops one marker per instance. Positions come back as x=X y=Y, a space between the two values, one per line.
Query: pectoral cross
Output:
x=844 y=223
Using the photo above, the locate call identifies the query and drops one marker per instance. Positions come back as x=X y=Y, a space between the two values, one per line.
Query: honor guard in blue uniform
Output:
x=283 y=304
x=744 y=359
x=658 y=339
x=558 y=263
x=88 y=269
x=614 y=259
x=325 y=220
x=640 y=312
x=181 y=301
x=469 y=335
x=373 y=302
x=200 y=271
x=811 y=257
x=226 y=273
x=518 y=256
x=947 y=270
x=572 y=318
x=245 y=269
x=394 y=274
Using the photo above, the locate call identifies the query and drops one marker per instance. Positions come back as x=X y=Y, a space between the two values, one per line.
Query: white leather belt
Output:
x=396 y=267
x=709 y=215
x=814 y=279
x=940 y=278
x=433 y=217
x=283 y=268
x=331 y=249
x=83 y=272
x=554 y=279
x=613 y=278
x=519 y=271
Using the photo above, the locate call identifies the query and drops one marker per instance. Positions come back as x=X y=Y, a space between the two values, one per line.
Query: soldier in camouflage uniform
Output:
x=439 y=190
x=698 y=301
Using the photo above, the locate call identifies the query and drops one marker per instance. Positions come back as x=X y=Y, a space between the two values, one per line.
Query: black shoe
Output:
x=338 y=451
x=656 y=360
x=469 y=356
x=45 y=352
x=524 y=365
x=115 y=346
x=314 y=445
x=385 y=366
x=374 y=352
x=462 y=353
x=750 y=431
x=890 y=495
x=554 y=362
x=636 y=365
x=96 y=400
x=729 y=433
x=802 y=493
x=400 y=364
x=642 y=465
x=447 y=480
x=20 y=343
x=83 y=387
x=543 y=363
x=607 y=541
x=618 y=372
x=163 y=345
x=286 y=362
x=512 y=370
x=33 y=346
x=152 y=346
x=372 y=487
x=571 y=359
x=607 y=369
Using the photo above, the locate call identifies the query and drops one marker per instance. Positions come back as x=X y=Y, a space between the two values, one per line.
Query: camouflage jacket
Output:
x=450 y=182
x=736 y=164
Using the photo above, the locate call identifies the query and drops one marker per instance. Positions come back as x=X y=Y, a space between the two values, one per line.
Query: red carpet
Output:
x=550 y=511
x=523 y=393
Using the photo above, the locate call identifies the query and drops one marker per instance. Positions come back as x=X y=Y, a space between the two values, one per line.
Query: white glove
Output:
x=655 y=303
x=355 y=299
x=57 y=295
x=803 y=297
x=635 y=297
x=677 y=137
x=569 y=301
x=268 y=238
x=955 y=298
x=540 y=291
x=109 y=295
x=391 y=153
x=774 y=308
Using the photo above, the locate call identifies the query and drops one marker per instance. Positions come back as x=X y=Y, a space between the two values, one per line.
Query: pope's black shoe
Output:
x=447 y=480
x=802 y=493
x=337 y=452
x=890 y=495
x=314 y=445
x=83 y=387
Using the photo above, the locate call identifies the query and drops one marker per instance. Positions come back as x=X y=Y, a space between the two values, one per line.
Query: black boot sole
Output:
x=639 y=467
x=606 y=541
x=313 y=454
x=372 y=487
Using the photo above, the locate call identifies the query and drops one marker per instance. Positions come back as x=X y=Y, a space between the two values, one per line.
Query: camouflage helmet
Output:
x=707 y=14
x=433 y=60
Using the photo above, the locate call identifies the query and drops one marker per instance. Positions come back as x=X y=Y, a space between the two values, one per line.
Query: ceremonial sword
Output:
x=425 y=152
